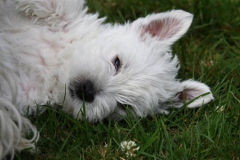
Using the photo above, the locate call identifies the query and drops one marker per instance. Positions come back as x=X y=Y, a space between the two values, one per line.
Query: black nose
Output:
x=85 y=91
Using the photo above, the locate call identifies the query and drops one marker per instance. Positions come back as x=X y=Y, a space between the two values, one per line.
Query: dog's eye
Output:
x=117 y=64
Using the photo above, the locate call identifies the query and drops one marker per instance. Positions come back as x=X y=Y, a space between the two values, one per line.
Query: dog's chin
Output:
x=119 y=113
x=97 y=110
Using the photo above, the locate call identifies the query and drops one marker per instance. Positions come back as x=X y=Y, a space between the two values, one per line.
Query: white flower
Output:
x=219 y=108
x=129 y=147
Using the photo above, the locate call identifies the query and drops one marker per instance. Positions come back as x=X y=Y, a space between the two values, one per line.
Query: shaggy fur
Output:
x=52 y=51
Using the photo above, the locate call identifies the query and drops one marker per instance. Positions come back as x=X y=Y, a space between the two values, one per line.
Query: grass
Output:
x=209 y=52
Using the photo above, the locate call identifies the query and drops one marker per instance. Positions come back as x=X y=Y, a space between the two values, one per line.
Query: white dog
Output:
x=52 y=51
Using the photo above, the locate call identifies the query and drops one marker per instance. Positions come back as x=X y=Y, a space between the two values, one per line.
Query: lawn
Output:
x=209 y=52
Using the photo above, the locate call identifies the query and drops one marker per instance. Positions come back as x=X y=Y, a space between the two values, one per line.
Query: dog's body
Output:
x=52 y=51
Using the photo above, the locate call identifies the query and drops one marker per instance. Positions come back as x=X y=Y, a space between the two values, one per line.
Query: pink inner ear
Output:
x=184 y=95
x=165 y=28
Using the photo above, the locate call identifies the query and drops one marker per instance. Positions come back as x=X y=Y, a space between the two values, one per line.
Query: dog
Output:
x=54 y=52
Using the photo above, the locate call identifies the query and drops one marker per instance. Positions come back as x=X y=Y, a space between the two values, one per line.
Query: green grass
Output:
x=209 y=52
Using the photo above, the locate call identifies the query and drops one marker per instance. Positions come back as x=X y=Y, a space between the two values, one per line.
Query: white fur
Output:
x=52 y=51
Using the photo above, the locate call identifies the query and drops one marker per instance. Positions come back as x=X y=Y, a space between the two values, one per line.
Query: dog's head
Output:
x=131 y=65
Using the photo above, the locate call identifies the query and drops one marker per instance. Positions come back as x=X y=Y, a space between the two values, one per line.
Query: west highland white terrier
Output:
x=53 y=51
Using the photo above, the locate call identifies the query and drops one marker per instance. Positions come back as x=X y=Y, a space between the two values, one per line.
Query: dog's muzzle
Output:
x=85 y=91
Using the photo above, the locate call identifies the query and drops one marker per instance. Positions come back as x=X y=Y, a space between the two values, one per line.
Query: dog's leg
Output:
x=51 y=12
x=13 y=128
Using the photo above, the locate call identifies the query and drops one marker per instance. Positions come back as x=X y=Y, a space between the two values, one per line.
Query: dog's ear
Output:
x=166 y=27
x=194 y=94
